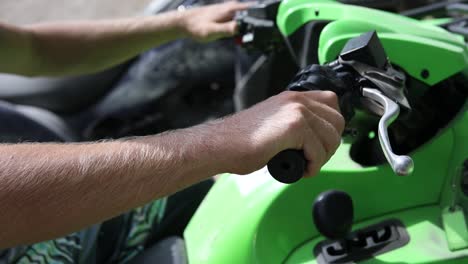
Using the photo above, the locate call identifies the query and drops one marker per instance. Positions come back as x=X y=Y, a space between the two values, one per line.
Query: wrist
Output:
x=180 y=22
x=208 y=148
x=198 y=149
x=225 y=150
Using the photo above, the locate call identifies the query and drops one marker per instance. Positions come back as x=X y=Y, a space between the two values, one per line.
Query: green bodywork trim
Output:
x=402 y=51
x=452 y=196
x=437 y=21
x=292 y=14
x=454 y=224
x=440 y=52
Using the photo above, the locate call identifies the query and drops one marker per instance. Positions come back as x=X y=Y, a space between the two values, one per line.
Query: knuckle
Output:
x=329 y=98
x=295 y=123
x=298 y=108
x=296 y=118
x=286 y=94
x=291 y=96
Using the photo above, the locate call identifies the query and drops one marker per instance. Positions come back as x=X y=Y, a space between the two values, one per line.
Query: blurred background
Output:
x=31 y=11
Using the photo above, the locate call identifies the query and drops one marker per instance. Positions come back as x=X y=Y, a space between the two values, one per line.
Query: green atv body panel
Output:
x=254 y=219
x=439 y=52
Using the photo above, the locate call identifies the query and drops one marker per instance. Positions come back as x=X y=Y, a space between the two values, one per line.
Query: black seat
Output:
x=60 y=95
x=31 y=124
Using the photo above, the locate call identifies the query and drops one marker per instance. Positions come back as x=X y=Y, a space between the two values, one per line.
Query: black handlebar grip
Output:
x=288 y=166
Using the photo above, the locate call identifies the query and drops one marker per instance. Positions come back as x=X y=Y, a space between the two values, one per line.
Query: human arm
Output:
x=49 y=190
x=69 y=48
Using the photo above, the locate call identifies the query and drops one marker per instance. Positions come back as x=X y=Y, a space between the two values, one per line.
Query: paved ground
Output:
x=30 y=11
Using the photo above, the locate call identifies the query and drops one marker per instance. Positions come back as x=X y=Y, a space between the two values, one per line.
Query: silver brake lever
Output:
x=401 y=165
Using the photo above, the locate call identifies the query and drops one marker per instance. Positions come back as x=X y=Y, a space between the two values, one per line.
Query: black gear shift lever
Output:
x=333 y=214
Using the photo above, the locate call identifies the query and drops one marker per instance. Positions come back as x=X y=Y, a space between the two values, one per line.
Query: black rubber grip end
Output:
x=288 y=166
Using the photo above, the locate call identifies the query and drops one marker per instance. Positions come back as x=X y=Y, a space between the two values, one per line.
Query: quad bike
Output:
x=253 y=223
x=396 y=191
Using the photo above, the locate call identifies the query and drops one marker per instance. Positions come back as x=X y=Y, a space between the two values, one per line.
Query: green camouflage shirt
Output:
x=80 y=247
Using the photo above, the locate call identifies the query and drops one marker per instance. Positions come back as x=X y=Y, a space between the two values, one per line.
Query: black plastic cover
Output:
x=366 y=49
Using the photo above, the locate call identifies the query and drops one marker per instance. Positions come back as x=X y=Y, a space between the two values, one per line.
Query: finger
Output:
x=319 y=139
x=237 y=6
x=325 y=132
x=328 y=114
x=220 y=30
x=229 y=9
x=325 y=111
x=314 y=152
x=330 y=139
x=326 y=97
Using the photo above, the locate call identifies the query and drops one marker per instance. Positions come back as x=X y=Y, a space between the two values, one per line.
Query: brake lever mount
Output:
x=388 y=81
x=363 y=76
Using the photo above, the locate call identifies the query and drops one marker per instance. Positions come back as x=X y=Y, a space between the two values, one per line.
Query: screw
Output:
x=425 y=73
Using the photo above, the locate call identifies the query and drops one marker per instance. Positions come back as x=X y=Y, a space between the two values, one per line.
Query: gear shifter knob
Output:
x=333 y=214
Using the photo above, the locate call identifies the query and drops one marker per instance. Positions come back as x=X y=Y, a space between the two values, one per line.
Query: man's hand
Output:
x=211 y=22
x=292 y=120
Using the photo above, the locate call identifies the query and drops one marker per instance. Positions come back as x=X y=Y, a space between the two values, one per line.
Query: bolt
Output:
x=425 y=73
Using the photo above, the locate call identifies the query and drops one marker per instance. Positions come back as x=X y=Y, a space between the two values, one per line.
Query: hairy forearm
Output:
x=80 y=47
x=49 y=190
x=68 y=48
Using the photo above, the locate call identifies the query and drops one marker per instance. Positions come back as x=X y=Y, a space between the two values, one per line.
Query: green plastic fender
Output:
x=440 y=53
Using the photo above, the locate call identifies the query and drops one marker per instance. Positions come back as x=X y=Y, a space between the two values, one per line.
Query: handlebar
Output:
x=362 y=59
x=288 y=166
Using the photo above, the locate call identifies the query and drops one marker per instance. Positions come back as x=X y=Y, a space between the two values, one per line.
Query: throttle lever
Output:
x=401 y=165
